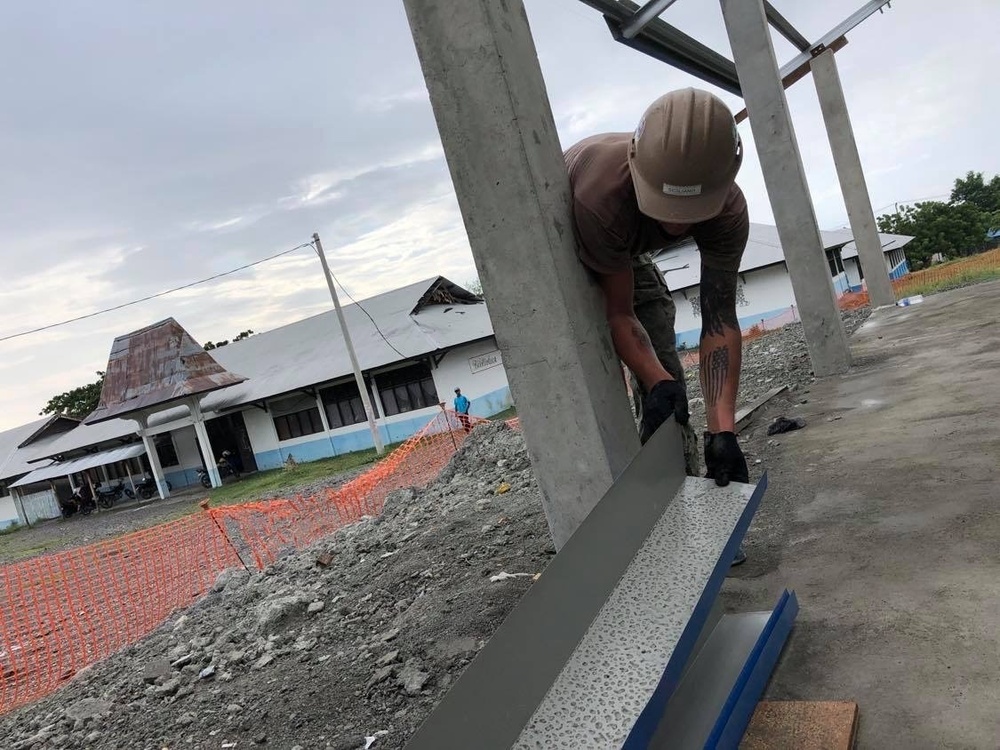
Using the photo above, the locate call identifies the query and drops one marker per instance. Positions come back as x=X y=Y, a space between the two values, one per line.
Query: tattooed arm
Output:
x=721 y=348
x=630 y=338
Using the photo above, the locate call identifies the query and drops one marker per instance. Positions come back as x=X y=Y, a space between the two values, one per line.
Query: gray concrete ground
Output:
x=881 y=514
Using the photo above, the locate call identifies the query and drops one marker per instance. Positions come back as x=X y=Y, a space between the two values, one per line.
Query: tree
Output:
x=947 y=228
x=78 y=402
x=974 y=190
x=475 y=286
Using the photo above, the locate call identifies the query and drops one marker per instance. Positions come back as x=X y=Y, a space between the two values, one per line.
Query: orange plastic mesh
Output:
x=64 y=611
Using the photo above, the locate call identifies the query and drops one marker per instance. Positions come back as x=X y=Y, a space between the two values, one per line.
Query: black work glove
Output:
x=724 y=459
x=666 y=397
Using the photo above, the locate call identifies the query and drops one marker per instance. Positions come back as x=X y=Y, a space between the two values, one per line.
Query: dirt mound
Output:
x=348 y=643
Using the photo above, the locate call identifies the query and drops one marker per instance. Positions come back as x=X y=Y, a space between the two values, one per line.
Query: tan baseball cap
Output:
x=684 y=157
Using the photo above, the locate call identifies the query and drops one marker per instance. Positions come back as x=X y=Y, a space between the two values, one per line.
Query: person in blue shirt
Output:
x=462 y=405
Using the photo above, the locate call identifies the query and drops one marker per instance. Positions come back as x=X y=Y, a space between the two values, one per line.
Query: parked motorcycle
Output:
x=108 y=496
x=146 y=488
x=227 y=467
x=81 y=502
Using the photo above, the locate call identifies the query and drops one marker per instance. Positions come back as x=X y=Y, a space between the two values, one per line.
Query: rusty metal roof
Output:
x=155 y=366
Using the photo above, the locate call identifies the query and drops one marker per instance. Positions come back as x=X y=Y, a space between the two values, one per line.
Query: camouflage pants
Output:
x=654 y=307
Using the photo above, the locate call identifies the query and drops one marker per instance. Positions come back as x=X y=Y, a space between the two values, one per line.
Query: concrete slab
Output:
x=885 y=523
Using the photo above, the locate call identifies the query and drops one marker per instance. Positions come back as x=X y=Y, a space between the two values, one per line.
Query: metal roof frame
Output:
x=642 y=29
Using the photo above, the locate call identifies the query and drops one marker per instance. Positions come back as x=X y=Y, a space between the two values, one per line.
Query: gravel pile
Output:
x=778 y=358
x=347 y=644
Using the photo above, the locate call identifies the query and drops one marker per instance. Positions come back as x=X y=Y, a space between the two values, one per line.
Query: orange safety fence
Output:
x=64 y=611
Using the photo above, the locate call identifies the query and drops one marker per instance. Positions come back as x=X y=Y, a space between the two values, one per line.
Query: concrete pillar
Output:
x=154 y=458
x=207 y=455
x=22 y=514
x=852 y=178
x=499 y=137
x=787 y=188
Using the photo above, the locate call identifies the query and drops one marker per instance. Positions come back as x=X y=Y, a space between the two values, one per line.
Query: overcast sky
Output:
x=146 y=145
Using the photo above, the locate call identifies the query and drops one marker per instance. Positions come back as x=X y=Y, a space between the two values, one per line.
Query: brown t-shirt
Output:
x=610 y=229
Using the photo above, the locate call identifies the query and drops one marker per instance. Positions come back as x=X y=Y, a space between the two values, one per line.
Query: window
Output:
x=407 y=389
x=165 y=450
x=343 y=405
x=295 y=417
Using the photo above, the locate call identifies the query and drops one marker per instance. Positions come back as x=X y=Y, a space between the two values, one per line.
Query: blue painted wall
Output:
x=689 y=339
x=336 y=444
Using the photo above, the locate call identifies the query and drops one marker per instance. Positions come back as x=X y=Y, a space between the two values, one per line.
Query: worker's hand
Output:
x=666 y=397
x=724 y=459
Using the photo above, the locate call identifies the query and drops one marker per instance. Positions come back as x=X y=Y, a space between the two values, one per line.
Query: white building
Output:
x=415 y=345
x=764 y=294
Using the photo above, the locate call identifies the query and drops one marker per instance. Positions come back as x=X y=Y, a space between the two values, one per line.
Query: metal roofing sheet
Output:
x=11 y=439
x=154 y=366
x=89 y=461
x=889 y=242
x=405 y=323
x=86 y=435
x=681 y=263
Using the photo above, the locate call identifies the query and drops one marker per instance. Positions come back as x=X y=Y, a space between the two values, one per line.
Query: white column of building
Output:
x=852 y=178
x=207 y=455
x=153 y=456
x=503 y=152
x=787 y=188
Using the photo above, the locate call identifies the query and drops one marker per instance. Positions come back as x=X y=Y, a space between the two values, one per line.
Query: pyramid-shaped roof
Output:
x=155 y=366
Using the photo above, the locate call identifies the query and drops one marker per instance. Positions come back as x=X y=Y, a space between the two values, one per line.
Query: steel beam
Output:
x=785 y=28
x=665 y=43
x=644 y=15
x=832 y=35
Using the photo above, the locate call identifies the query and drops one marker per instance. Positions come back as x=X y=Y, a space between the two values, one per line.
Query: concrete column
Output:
x=499 y=137
x=852 y=178
x=787 y=188
x=207 y=454
x=154 y=459
x=22 y=514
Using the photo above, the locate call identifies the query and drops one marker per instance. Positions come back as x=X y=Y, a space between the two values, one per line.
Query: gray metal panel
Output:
x=496 y=696
x=622 y=659
x=695 y=707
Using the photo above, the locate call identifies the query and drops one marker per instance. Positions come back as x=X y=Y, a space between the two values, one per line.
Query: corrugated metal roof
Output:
x=79 y=464
x=415 y=321
x=889 y=242
x=681 y=263
x=11 y=440
x=86 y=435
x=155 y=366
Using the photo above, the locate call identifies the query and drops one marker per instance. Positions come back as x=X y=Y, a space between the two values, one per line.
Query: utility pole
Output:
x=362 y=388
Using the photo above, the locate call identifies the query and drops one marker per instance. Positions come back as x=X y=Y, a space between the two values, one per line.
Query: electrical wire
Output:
x=157 y=295
x=360 y=307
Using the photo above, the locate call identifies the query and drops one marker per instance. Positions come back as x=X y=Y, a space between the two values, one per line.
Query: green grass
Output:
x=278 y=481
x=504 y=415
x=972 y=276
x=12 y=529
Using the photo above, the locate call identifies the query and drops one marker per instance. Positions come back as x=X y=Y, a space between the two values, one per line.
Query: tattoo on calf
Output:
x=718 y=301
x=716 y=372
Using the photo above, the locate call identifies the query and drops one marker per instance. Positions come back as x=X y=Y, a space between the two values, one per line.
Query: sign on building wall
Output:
x=485 y=361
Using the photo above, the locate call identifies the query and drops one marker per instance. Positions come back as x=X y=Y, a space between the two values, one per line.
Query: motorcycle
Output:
x=226 y=466
x=146 y=488
x=81 y=502
x=108 y=496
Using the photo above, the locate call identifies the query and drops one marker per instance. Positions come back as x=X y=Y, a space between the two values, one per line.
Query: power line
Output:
x=360 y=307
x=155 y=296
